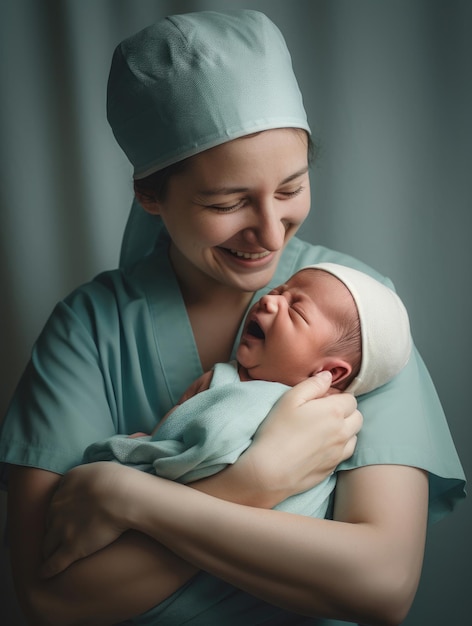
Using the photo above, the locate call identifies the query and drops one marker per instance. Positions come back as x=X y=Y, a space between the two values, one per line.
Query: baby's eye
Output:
x=278 y=291
x=298 y=309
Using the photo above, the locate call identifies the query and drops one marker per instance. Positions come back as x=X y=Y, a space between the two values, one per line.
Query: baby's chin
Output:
x=240 y=355
x=244 y=355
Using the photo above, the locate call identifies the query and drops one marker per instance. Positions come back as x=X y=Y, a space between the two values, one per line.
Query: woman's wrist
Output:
x=242 y=483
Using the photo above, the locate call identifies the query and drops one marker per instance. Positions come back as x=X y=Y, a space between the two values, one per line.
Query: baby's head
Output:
x=327 y=317
x=384 y=325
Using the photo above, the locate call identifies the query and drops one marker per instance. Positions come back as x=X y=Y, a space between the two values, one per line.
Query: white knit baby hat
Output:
x=385 y=328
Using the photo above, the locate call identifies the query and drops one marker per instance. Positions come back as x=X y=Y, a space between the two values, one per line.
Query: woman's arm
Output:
x=122 y=580
x=364 y=567
x=134 y=563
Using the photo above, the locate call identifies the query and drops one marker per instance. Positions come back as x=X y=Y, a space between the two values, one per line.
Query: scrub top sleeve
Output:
x=62 y=402
x=404 y=424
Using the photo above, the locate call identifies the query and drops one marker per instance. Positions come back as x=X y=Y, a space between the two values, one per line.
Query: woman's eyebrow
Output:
x=230 y=190
x=220 y=191
x=304 y=170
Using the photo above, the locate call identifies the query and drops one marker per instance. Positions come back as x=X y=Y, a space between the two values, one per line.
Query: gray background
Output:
x=387 y=87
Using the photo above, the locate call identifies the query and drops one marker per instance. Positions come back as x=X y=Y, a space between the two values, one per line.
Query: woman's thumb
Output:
x=316 y=386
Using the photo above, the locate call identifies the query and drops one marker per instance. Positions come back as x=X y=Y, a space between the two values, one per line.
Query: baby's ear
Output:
x=339 y=368
x=148 y=202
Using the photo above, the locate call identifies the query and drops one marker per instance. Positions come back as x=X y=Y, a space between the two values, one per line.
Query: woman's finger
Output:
x=314 y=387
x=353 y=423
x=50 y=544
x=56 y=563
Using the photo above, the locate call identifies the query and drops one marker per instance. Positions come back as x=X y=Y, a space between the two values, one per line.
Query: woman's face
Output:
x=232 y=210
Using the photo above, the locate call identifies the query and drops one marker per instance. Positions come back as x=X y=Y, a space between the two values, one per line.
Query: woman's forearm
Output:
x=143 y=570
x=121 y=581
x=124 y=579
x=363 y=568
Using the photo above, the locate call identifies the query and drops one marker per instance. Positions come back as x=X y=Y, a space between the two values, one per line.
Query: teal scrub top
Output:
x=119 y=352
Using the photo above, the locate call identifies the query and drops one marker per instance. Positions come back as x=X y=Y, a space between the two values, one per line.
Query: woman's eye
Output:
x=291 y=194
x=227 y=209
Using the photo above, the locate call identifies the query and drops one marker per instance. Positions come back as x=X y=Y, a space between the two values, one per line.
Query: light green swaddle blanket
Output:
x=206 y=433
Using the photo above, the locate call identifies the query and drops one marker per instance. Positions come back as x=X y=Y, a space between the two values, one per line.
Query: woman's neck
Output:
x=215 y=323
x=215 y=312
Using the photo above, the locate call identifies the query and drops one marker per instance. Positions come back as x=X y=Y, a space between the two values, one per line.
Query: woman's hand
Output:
x=302 y=440
x=85 y=513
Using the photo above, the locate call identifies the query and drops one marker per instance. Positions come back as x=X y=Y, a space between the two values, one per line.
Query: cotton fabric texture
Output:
x=385 y=327
x=206 y=433
x=193 y=81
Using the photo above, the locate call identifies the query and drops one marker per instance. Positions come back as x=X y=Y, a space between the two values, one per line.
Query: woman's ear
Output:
x=148 y=202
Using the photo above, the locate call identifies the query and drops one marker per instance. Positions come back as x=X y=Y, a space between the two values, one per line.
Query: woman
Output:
x=208 y=110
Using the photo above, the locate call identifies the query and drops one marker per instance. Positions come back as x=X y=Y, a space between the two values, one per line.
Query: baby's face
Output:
x=287 y=332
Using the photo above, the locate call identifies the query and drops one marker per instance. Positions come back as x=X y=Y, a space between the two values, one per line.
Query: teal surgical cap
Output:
x=193 y=81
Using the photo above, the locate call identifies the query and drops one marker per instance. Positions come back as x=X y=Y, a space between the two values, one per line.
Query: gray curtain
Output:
x=387 y=86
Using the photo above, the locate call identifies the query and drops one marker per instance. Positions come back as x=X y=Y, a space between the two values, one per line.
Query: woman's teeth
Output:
x=249 y=255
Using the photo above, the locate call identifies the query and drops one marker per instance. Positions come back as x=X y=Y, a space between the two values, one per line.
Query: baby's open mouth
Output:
x=255 y=330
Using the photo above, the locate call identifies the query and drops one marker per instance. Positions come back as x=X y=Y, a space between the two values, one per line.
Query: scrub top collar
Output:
x=166 y=303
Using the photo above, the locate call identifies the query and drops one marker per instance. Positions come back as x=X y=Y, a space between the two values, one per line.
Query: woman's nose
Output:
x=268 y=228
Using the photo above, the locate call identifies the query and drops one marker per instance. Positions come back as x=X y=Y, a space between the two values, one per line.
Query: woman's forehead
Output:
x=275 y=141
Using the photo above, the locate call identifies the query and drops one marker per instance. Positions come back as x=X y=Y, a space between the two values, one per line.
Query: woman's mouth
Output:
x=249 y=255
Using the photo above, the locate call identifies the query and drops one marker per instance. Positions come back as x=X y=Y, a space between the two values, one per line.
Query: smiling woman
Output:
x=232 y=209
x=119 y=351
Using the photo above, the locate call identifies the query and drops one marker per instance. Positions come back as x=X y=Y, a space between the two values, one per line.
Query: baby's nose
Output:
x=270 y=303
